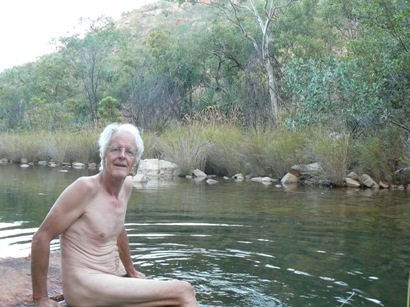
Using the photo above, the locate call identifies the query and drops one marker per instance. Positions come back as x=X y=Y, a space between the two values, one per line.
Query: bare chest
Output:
x=102 y=221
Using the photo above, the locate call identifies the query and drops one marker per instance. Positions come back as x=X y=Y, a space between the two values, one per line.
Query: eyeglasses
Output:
x=129 y=152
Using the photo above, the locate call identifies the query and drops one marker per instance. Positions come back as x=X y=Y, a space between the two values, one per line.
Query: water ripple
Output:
x=15 y=241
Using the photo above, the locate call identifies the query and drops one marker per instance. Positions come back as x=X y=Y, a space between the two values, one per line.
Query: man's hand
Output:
x=45 y=302
x=135 y=274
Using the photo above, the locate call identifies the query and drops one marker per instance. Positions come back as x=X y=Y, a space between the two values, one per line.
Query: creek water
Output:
x=242 y=244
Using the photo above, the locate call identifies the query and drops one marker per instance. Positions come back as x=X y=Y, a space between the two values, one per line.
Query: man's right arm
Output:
x=67 y=209
x=40 y=255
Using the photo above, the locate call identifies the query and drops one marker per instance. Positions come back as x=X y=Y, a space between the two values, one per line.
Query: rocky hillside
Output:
x=164 y=15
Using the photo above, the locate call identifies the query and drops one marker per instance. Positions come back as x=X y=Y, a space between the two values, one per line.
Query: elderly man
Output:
x=89 y=215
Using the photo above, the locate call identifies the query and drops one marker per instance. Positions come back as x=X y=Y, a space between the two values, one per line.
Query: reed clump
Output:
x=381 y=155
x=21 y=147
x=186 y=147
x=83 y=147
x=332 y=151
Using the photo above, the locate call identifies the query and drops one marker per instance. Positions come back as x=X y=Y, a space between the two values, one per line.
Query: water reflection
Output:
x=244 y=244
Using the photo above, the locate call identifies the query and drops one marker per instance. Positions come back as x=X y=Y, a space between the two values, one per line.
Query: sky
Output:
x=27 y=26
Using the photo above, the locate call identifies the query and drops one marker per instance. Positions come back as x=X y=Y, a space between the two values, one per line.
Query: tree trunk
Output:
x=273 y=93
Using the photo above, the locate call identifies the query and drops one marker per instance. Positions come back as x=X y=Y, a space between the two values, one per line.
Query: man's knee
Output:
x=187 y=293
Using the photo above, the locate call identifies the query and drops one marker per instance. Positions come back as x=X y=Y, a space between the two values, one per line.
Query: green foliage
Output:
x=89 y=57
x=306 y=38
x=341 y=64
x=227 y=156
x=151 y=145
x=47 y=116
x=42 y=146
x=108 y=110
x=332 y=91
x=376 y=36
x=281 y=150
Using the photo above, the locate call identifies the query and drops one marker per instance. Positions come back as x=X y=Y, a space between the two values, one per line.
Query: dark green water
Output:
x=243 y=244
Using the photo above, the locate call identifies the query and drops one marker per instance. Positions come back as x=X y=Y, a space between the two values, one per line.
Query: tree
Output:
x=264 y=13
x=264 y=18
x=378 y=39
x=109 y=110
x=89 y=58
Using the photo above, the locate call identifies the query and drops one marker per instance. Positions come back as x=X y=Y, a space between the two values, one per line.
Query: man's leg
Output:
x=110 y=290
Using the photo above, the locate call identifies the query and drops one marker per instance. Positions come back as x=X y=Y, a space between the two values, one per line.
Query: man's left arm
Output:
x=125 y=255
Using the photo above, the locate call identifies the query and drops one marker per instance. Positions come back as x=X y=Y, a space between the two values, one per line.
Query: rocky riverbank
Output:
x=15 y=281
x=305 y=174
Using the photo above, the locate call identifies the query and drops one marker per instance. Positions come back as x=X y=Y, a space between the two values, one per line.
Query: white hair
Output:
x=106 y=135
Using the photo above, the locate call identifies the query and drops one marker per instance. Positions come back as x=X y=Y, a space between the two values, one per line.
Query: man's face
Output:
x=121 y=154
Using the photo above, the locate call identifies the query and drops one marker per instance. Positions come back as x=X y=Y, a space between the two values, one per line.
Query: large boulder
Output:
x=368 y=181
x=15 y=281
x=198 y=173
x=307 y=170
x=289 y=179
x=238 y=177
x=158 y=168
x=351 y=183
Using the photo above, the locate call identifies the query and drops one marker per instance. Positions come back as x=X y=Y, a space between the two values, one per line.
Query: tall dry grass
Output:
x=220 y=147
x=381 y=155
x=59 y=147
x=19 y=147
x=186 y=147
x=333 y=152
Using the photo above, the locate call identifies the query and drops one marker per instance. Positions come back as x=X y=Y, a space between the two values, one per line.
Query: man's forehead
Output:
x=123 y=136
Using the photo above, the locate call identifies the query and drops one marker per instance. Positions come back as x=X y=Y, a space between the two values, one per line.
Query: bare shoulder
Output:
x=84 y=186
x=70 y=205
x=87 y=182
x=128 y=184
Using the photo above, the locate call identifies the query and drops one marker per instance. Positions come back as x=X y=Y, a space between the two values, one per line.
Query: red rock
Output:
x=15 y=281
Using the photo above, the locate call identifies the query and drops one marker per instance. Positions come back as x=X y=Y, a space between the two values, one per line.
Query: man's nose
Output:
x=122 y=152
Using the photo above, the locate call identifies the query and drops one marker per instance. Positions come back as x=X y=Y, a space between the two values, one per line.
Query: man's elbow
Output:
x=40 y=238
